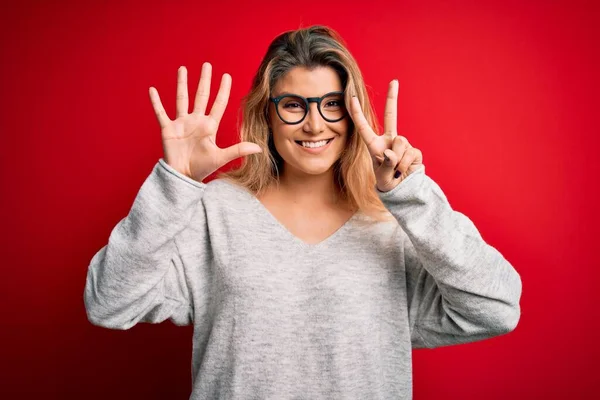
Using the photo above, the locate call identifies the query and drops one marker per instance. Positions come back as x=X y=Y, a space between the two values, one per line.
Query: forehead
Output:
x=308 y=83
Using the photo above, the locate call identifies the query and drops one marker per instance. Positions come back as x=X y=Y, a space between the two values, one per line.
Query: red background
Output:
x=502 y=98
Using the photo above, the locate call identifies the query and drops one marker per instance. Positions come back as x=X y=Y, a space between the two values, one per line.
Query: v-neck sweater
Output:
x=277 y=318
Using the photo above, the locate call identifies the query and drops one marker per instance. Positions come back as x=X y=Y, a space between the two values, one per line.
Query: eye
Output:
x=292 y=104
x=334 y=103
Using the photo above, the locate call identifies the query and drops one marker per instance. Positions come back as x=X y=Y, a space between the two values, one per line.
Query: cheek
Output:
x=343 y=126
x=343 y=130
x=281 y=140
x=278 y=143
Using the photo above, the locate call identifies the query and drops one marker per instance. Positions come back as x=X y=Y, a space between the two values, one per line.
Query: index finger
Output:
x=218 y=108
x=363 y=127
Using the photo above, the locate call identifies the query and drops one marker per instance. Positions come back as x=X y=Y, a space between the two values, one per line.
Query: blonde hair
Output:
x=311 y=47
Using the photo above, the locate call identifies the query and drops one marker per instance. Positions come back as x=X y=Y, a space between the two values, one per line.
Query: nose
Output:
x=313 y=122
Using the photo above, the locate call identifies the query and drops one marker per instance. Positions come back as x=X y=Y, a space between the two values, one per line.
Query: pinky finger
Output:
x=159 y=110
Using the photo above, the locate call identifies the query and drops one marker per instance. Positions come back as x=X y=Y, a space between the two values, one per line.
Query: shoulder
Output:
x=223 y=185
x=223 y=192
x=388 y=234
x=377 y=229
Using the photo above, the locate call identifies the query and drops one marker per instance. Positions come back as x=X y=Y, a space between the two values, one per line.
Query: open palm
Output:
x=189 y=141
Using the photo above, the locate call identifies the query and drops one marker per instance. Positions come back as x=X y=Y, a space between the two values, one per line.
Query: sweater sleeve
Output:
x=140 y=276
x=459 y=288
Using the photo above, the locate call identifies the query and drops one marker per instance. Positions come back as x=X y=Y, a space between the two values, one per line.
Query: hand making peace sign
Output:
x=393 y=157
x=189 y=142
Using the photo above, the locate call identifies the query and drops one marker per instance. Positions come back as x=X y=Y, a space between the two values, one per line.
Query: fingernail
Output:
x=397 y=174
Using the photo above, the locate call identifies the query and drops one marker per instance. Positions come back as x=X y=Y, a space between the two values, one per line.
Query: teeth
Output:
x=314 y=144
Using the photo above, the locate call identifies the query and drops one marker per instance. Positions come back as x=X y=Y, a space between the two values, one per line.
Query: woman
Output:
x=314 y=268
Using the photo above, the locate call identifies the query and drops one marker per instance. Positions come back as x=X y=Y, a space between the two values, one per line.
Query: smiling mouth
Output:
x=312 y=145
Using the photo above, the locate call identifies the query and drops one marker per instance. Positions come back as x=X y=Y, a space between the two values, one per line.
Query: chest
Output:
x=312 y=228
x=271 y=279
x=310 y=225
x=257 y=259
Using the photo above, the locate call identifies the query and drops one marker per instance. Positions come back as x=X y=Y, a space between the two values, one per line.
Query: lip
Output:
x=313 y=140
x=316 y=150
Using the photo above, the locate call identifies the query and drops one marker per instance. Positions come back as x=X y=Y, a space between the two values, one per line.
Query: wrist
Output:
x=182 y=176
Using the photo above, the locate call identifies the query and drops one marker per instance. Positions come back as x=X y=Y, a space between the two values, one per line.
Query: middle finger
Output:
x=182 y=92
x=201 y=100
x=390 y=114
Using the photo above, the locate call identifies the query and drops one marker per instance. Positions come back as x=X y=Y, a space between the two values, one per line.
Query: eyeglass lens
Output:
x=292 y=108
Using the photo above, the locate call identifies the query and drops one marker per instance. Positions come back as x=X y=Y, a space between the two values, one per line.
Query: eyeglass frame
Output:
x=307 y=101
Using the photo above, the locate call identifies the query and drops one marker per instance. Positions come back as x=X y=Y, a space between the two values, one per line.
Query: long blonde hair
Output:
x=310 y=47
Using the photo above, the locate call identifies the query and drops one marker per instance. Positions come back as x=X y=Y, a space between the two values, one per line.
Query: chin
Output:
x=316 y=171
x=314 y=168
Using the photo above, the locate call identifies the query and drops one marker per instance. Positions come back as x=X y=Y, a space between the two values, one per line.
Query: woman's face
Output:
x=300 y=145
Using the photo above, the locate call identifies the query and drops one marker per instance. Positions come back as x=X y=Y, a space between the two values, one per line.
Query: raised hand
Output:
x=189 y=141
x=393 y=157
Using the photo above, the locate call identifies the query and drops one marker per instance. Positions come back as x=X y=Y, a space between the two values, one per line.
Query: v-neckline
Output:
x=284 y=229
x=305 y=245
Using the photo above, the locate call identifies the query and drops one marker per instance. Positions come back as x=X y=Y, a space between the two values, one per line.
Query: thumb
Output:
x=386 y=170
x=239 y=150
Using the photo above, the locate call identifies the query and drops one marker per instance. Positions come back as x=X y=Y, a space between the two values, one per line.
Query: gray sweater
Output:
x=276 y=318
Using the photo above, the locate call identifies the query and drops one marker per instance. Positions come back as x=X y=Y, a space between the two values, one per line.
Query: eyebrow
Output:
x=296 y=94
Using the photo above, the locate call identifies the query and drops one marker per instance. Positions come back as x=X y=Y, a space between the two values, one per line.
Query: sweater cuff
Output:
x=166 y=167
x=405 y=189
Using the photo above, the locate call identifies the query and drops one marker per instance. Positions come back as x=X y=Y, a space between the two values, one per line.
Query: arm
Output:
x=139 y=276
x=459 y=288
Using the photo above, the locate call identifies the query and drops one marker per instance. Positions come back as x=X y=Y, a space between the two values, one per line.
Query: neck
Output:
x=309 y=190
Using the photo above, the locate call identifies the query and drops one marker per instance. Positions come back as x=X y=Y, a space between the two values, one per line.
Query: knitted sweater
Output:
x=277 y=318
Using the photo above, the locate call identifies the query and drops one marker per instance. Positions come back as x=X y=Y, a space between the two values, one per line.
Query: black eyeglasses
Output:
x=292 y=108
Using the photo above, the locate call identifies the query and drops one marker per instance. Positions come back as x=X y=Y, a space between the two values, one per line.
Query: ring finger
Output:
x=399 y=146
